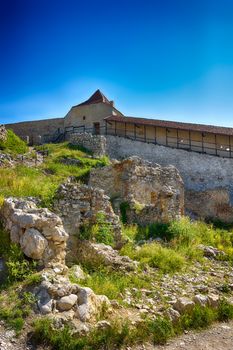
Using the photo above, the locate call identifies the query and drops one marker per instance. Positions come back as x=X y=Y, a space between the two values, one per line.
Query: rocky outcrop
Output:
x=94 y=143
x=67 y=301
x=153 y=193
x=38 y=231
x=96 y=255
x=78 y=205
x=3 y=133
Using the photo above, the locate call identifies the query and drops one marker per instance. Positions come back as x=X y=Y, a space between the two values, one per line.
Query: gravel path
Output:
x=218 y=337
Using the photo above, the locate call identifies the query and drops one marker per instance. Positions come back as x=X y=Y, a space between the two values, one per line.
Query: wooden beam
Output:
x=145 y=133
x=177 y=138
x=215 y=140
x=230 y=145
x=125 y=129
x=155 y=135
x=166 y=137
x=190 y=143
x=134 y=131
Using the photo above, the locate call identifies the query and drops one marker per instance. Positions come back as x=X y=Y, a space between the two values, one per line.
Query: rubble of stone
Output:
x=3 y=133
x=38 y=231
x=94 y=143
x=6 y=160
x=97 y=254
x=78 y=205
x=153 y=193
x=211 y=252
x=65 y=301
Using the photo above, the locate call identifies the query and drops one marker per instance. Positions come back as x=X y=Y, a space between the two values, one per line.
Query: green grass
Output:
x=179 y=243
x=165 y=259
x=13 y=144
x=121 y=334
x=43 y=181
x=112 y=283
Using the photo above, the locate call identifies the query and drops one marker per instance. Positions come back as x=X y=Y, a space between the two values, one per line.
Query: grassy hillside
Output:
x=13 y=144
x=42 y=181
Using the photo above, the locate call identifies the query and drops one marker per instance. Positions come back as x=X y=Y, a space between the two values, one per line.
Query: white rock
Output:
x=200 y=299
x=213 y=300
x=66 y=303
x=183 y=304
x=33 y=243
x=77 y=272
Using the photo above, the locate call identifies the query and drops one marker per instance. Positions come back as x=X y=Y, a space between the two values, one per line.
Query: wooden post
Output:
x=145 y=133
x=115 y=128
x=155 y=135
x=216 y=150
x=134 y=131
x=190 y=144
x=166 y=136
x=177 y=138
x=125 y=129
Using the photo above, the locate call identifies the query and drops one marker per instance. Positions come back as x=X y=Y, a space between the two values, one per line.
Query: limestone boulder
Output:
x=33 y=244
x=184 y=304
x=38 y=231
x=67 y=302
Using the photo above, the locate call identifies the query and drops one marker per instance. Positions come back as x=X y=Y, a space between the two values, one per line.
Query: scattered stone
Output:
x=183 y=304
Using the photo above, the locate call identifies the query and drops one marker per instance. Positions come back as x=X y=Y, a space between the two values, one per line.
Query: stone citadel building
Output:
x=98 y=115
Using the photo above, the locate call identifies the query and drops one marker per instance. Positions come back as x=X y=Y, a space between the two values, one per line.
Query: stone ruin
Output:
x=153 y=193
x=38 y=231
x=94 y=143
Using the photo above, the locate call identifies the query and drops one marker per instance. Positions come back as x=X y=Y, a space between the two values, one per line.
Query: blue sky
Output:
x=162 y=59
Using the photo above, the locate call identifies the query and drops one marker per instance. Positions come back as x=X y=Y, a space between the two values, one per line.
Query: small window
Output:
x=84 y=117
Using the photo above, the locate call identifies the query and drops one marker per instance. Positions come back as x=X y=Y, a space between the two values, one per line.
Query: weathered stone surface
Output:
x=94 y=143
x=211 y=252
x=90 y=305
x=39 y=232
x=200 y=299
x=45 y=302
x=213 y=300
x=33 y=244
x=217 y=204
x=78 y=272
x=100 y=254
x=67 y=302
x=79 y=205
x=153 y=193
x=183 y=304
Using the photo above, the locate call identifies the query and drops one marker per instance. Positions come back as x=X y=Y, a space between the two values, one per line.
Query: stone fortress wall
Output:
x=208 y=180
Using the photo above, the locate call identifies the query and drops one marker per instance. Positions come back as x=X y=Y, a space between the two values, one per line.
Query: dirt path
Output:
x=218 y=337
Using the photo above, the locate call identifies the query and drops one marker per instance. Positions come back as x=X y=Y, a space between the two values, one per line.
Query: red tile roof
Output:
x=97 y=97
x=173 y=125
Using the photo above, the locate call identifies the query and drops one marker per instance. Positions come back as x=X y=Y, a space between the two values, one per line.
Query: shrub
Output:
x=200 y=317
x=100 y=232
x=161 y=329
x=225 y=311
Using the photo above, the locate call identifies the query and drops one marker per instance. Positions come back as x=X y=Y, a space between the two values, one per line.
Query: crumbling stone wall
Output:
x=78 y=205
x=201 y=174
x=38 y=231
x=154 y=193
x=94 y=143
